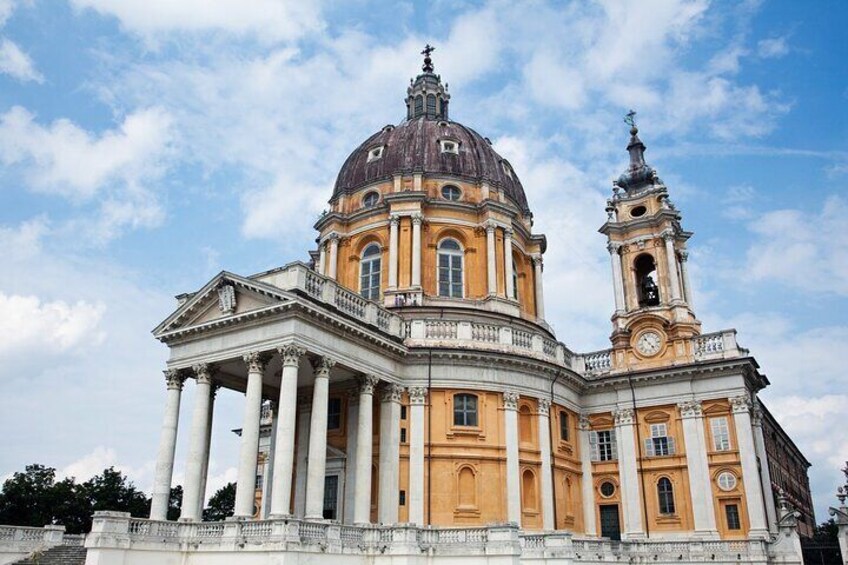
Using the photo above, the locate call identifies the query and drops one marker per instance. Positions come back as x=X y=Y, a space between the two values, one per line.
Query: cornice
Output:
x=747 y=366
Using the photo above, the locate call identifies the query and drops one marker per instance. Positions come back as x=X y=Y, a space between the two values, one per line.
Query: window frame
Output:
x=603 y=450
x=665 y=497
x=452 y=255
x=721 y=437
x=465 y=411
x=367 y=196
x=451 y=187
x=330 y=413
x=450 y=146
x=660 y=443
x=375 y=153
x=564 y=431
x=737 y=517
x=369 y=260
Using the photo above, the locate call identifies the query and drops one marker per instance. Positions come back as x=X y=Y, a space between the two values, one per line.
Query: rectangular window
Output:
x=403 y=435
x=402 y=498
x=403 y=412
x=659 y=444
x=563 y=425
x=721 y=433
x=464 y=410
x=731 y=511
x=331 y=496
x=450 y=275
x=334 y=414
x=603 y=445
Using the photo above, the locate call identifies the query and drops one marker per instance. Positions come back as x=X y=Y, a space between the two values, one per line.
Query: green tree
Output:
x=27 y=498
x=111 y=490
x=175 y=503
x=222 y=504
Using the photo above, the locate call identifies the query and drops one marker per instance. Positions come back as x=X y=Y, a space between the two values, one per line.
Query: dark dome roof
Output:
x=413 y=146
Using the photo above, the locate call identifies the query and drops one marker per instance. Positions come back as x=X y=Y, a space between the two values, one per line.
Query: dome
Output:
x=414 y=146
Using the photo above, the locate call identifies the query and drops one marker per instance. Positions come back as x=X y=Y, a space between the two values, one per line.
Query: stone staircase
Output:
x=58 y=555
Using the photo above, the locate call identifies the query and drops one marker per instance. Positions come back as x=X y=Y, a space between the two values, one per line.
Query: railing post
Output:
x=329 y=292
x=537 y=343
x=53 y=534
x=463 y=330
x=505 y=335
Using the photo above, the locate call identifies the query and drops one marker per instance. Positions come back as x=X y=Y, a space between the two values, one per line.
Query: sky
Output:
x=146 y=145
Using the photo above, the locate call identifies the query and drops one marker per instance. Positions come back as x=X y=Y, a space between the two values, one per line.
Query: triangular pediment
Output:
x=225 y=297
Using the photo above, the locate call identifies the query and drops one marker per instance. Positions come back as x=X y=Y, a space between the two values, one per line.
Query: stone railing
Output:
x=300 y=278
x=17 y=542
x=486 y=336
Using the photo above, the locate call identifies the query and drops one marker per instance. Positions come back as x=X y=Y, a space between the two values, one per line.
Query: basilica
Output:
x=406 y=401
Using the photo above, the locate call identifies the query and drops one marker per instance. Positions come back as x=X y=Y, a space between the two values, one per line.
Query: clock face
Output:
x=649 y=343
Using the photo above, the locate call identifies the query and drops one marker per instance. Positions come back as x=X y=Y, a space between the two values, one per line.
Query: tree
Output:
x=826 y=531
x=175 y=503
x=222 y=504
x=111 y=490
x=27 y=498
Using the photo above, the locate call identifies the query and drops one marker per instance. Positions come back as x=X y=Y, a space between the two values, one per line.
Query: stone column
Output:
x=364 y=450
x=587 y=481
x=387 y=504
x=765 y=472
x=317 y=464
x=513 y=484
x=199 y=427
x=284 y=440
x=322 y=258
x=491 y=272
x=508 y=265
x=304 y=406
x=394 y=221
x=687 y=288
x=249 y=451
x=617 y=280
x=204 y=474
x=703 y=508
x=540 y=295
x=671 y=256
x=546 y=470
x=167 y=446
x=334 y=255
x=417 y=219
x=750 y=474
x=625 y=420
x=417 y=401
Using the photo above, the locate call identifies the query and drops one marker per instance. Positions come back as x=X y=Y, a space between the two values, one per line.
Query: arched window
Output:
x=370 y=200
x=369 y=272
x=665 y=495
x=431 y=104
x=514 y=280
x=465 y=410
x=450 y=268
x=419 y=105
x=646 y=280
x=528 y=490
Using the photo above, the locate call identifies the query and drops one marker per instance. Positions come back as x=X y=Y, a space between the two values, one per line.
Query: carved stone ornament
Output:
x=741 y=403
x=613 y=248
x=394 y=219
x=690 y=408
x=417 y=219
x=584 y=423
x=203 y=373
x=255 y=361
x=227 y=298
x=510 y=400
x=417 y=395
x=291 y=354
x=537 y=260
x=367 y=383
x=174 y=378
x=490 y=226
x=756 y=414
x=624 y=417
x=391 y=393
x=544 y=406
x=322 y=366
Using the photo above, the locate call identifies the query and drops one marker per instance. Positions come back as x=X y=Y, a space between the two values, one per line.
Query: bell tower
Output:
x=653 y=320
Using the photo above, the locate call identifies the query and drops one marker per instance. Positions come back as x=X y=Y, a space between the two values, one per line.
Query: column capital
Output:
x=391 y=393
x=203 y=373
x=367 y=383
x=614 y=247
x=417 y=219
x=684 y=255
x=508 y=232
x=255 y=361
x=544 y=406
x=667 y=235
x=490 y=226
x=584 y=423
x=394 y=219
x=740 y=404
x=510 y=400
x=322 y=366
x=174 y=379
x=624 y=417
x=417 y=395
x=537 y=260
x=690 y=409
x=333 y=237
x=291 y=354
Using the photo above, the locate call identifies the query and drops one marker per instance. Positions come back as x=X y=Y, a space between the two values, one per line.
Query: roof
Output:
x=413 y=146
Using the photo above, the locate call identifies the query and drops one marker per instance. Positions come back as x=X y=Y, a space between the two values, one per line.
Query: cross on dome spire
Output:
x=427 y=67
x=426 y=95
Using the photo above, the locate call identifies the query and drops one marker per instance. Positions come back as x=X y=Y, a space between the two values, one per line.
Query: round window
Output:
x=370 y=199
x=607 y=489
x=450 y=192
x=726 y=481
x=638 y=211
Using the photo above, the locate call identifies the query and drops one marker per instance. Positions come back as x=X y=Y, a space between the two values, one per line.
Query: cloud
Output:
x=772 y=48
x=804 y=250
x=267 y=20
x=16 y=63
x=29 y=324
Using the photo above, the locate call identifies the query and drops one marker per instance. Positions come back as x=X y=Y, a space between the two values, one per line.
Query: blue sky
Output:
x=147 y=144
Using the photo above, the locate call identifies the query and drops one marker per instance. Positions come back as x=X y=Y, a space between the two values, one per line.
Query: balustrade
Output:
x=440 y=329
x=522 y=339
x=485 y=332
x=598 y=362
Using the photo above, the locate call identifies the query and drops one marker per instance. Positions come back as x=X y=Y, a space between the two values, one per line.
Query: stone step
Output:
x=59 y=555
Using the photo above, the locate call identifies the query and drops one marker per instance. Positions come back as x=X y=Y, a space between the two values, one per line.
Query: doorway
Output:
x=610 y=526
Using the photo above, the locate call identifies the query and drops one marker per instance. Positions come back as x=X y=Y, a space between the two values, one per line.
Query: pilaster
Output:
x=625 y=420
x=703 y=508
x=417 y=402
x=547 y=482
x=513 y=486
x=389 y=482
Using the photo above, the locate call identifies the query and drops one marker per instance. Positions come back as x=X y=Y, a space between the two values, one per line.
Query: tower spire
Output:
x=426 y=95
x=639 y=174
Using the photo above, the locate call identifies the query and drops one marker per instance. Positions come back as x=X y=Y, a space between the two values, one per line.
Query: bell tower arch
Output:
x=654 y=318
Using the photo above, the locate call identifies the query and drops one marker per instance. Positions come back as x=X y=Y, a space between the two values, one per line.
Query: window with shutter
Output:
x=593 y=446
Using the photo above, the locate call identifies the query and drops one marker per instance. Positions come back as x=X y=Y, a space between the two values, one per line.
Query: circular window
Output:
x=370 y=200
x=451 y=192
x=638 y=211
x=607 y=489
x=726 y=481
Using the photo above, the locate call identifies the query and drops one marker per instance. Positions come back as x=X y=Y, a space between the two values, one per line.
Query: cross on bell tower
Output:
x=653 y=318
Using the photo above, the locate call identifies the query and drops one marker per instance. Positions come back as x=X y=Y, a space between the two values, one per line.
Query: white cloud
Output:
x=29 y=324
x=772 y=48
x=801 y=249
x=16 y=63
x=89 y=465
x=267 y=20
x=6 y=9
x=25 y=240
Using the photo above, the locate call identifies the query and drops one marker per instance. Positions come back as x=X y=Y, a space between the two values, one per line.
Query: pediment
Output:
x=225 y=297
